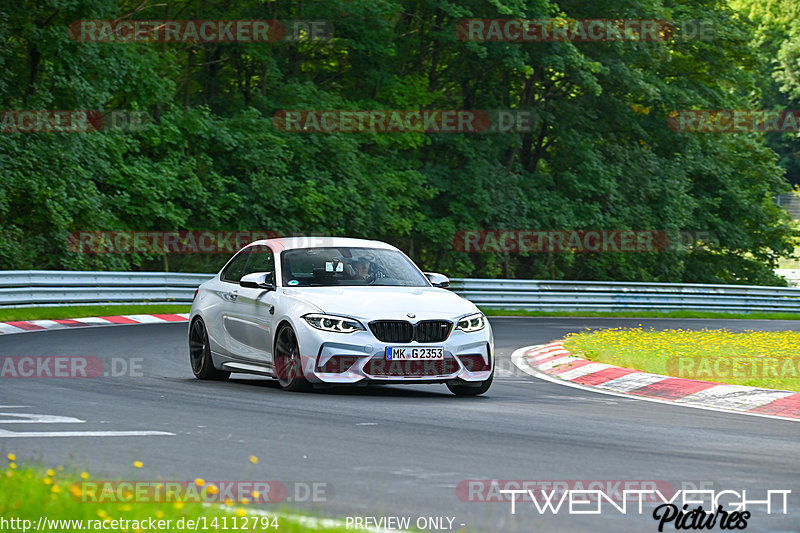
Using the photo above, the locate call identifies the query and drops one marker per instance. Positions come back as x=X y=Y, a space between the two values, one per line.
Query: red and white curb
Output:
x=552 y=362
x=26 y=326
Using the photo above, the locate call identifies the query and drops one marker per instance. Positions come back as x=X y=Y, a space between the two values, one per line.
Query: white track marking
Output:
x=630 y=382
x=551 y=353
x=518 y=358
x=735 y=397
x=558 y=362
x=48 y=324
x=8 y=328
x=93 y=320
x=32 y=418
x=584 y=370
x=5 y=434
x=146 y=319
x=503 y=372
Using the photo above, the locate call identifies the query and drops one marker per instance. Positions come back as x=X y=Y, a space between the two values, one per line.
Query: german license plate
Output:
x=414 y=353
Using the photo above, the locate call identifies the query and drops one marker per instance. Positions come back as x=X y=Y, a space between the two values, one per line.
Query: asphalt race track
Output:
x=398 y=451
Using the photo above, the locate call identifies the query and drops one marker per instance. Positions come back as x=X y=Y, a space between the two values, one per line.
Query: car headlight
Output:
x=471 y=323
x=338 y=324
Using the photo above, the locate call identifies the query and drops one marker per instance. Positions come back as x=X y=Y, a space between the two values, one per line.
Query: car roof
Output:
x=291 y=243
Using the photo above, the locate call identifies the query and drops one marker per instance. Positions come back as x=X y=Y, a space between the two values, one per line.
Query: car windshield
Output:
x=324 y=267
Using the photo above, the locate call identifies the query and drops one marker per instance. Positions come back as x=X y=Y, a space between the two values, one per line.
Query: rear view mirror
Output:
x=259 y=280
x=438 y=280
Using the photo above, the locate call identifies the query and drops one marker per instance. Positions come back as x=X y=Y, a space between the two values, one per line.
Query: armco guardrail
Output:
x=54 y=287
x=623 y=296
x=49 y=287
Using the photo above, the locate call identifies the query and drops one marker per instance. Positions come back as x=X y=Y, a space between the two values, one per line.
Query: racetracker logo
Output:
x=382 y=121
x=520 y=490
x=163 y=242
x=554 y=241
x=199 y=491
x=71 y=366
x=562 y=29
x=722 y=121
x=202 y=31
x=721 y=368
x=406 y=121
x=71 y=121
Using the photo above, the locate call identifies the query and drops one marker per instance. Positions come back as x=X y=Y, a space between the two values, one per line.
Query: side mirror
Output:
x=438 y=280
x=259 y=280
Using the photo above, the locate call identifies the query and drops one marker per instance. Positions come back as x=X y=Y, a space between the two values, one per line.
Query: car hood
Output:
x=387 y=303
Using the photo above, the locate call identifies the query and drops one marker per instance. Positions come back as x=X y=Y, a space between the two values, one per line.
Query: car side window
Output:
x=235 y=269
x=260 y=260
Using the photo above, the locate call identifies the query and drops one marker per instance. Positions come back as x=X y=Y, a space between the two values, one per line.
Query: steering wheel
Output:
x=376 y=272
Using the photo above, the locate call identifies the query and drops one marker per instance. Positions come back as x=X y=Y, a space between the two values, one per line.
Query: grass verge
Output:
x=80 y=311
x=32 y=493
x=645 y=314
x=767 y=359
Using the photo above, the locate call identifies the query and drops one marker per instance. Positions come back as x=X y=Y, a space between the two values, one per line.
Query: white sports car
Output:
x=334 y=311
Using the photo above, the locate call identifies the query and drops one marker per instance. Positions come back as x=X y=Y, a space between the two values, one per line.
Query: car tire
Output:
x=287 y=364
x=471 y=390
x=200 y=354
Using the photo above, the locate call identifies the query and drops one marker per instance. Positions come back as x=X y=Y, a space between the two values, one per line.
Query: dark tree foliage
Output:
x=598 y=157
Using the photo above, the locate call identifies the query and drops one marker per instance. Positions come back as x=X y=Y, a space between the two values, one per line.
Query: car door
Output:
x=248 y=316
x=224 y=290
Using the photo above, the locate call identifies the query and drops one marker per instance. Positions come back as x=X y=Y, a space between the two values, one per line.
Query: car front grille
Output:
x=433 y=330
x=403 y=331
x=392 y=330
x=380 y=367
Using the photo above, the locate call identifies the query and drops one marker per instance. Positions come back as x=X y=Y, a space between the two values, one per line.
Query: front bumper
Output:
x=336 y=358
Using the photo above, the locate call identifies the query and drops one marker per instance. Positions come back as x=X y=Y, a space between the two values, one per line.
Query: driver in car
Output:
x=361 y=268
